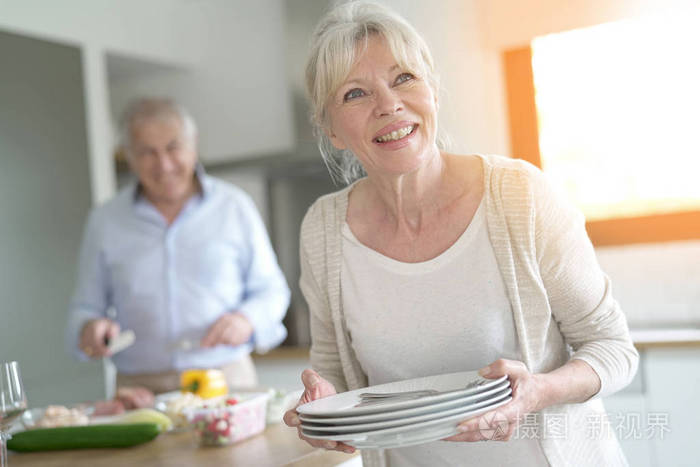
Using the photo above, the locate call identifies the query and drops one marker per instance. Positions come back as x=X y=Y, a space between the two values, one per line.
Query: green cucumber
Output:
x=83 y=437
x=146 y=416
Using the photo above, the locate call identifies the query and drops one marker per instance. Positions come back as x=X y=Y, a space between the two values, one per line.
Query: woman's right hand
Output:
x=315 y=387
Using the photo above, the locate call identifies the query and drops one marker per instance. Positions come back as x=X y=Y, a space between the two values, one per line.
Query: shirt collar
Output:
x=204 y=181
x=199 y=173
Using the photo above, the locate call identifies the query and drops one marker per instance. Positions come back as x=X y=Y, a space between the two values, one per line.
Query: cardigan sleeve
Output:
x=325 y=358
x=579 y=293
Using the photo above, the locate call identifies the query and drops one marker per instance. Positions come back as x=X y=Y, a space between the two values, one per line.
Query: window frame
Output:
x=524 y=140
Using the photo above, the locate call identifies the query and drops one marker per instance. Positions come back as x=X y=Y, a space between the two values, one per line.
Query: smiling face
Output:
x=163 y=157
x=384 y=114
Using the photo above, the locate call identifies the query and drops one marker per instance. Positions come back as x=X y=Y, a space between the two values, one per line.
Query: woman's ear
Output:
x=335 y=141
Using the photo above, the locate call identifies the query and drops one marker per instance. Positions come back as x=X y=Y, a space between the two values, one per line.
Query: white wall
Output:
x=231 y=53
x=301 y=19
x=656 y=284
x=514 y=23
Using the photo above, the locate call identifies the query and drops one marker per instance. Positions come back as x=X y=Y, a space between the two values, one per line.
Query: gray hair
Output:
x=333 y=54
x=149 y=108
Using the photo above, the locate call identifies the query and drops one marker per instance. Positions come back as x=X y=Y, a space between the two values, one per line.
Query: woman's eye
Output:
x=403 y=77
x=353 y=94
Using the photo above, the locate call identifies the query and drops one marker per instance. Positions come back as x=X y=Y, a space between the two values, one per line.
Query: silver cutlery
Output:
x=367 y=397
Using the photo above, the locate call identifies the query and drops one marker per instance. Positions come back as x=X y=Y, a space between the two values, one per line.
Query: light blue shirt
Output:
x=170 y=283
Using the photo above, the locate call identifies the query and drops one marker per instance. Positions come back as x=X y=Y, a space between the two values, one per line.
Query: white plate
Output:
x=345 y=404
x=408 y=420
x=403 y=413
x=402 y=440
x=406 y=435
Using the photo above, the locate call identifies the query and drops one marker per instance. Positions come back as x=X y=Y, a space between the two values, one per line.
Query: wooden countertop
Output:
x=277 y=445
x=645 y=338
x=285 y=352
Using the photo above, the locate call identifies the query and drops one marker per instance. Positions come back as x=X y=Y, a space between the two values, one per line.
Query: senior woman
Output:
x=435 y=262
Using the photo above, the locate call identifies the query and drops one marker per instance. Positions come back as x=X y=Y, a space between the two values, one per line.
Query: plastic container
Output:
x=281 y=401
x=224 y=424
x=175 y=405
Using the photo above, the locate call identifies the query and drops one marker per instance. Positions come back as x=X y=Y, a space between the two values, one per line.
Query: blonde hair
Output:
x=335 y=46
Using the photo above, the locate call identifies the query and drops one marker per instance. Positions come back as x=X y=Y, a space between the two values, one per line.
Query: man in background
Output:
x=184 y=261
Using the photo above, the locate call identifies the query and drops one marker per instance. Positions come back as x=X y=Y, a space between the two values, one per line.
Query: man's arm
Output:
x=90 y=298
x=266 y=292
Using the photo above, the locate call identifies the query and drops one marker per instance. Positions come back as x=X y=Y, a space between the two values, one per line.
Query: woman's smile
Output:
x=388 y=135
x=384 y=113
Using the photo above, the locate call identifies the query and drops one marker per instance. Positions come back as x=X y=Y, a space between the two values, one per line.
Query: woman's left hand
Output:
x=499 y=424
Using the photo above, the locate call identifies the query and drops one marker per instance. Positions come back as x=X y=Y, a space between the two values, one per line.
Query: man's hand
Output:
x=230 y=329
x=95 y=335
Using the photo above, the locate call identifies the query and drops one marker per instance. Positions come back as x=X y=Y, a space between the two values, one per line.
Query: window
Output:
x=610 y=113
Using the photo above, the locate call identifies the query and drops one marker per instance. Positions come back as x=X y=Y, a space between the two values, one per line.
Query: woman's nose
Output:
x=387 y=102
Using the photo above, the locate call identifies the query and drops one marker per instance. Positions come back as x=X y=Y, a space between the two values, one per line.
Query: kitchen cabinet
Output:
x=672 y=388
x=664 y=396
x=622 y=409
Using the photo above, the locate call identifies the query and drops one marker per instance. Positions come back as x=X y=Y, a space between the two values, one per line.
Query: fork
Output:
x=371 y=396
x=389 y=395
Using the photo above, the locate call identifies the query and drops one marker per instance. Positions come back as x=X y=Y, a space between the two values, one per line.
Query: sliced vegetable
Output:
x=83 y=437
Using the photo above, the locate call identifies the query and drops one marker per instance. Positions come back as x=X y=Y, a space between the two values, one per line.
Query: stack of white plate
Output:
x=403 y=420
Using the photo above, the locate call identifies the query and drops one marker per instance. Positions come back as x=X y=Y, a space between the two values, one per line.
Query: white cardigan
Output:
x=561 y=300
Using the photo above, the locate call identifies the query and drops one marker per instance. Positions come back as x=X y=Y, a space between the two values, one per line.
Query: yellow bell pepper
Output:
x=204 y=383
